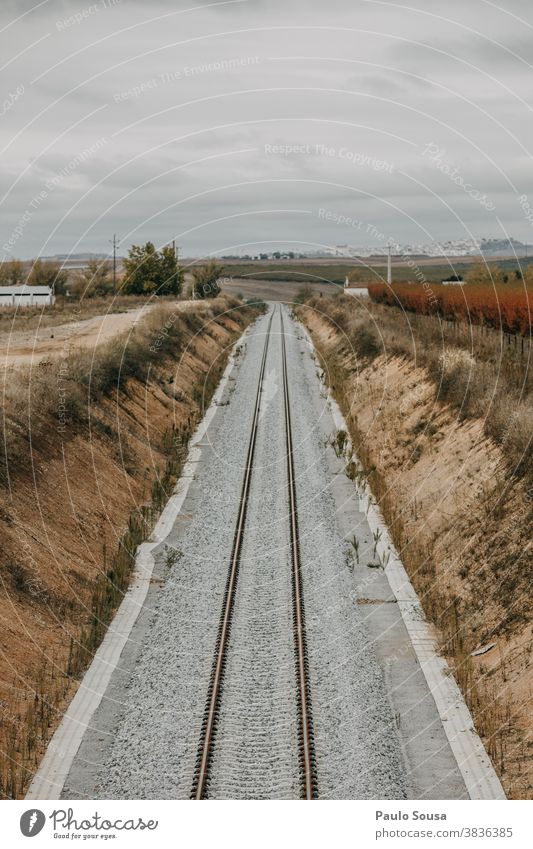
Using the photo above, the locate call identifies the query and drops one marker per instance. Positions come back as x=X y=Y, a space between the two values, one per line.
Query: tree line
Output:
x=147 y=271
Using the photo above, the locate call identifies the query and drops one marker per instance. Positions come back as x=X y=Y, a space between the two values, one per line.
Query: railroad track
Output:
x=308 y=779
x=307 y=756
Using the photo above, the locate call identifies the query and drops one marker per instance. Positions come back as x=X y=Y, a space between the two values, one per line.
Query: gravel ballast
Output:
x=154 y=744
x=357 y=750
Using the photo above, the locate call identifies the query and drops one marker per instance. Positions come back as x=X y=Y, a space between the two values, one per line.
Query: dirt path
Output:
x=24 y=348
x=285 y=291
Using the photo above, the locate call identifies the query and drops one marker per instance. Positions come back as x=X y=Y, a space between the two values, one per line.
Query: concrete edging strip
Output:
x=49 y=780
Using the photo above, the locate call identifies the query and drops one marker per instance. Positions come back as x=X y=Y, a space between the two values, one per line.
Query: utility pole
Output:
x=115 y=242
x=389 y=265
x=176 y=249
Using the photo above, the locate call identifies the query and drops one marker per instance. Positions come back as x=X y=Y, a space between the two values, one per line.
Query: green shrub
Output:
x=206 y=279
x=257 y=304
x=365 y=341
x=303 y=295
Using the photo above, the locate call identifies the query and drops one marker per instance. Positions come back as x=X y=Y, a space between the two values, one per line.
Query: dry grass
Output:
x=58 y=396
x=86 y=381
x=474 y=369
x=25 y=726
x=64 y=311
x=113 y=582
x=467 y=559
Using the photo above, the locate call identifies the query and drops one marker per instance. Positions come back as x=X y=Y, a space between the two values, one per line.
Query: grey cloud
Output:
x=378 y=84
x=152 y=128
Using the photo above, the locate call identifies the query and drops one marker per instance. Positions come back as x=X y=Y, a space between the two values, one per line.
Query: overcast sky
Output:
x=239 y=126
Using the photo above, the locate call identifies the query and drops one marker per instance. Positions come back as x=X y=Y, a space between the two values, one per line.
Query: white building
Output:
x=26 y=296
x=357 y=289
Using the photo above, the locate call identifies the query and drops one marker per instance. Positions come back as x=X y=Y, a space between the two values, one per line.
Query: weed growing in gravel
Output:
x=338 y=442
x=172 y=556
x=376 y=536
x=354 y=542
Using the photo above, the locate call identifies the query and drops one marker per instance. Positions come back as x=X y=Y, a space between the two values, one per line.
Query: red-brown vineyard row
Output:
x=504 y=307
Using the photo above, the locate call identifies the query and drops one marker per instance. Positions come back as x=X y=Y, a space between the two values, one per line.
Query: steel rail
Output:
x=307 y=754
x=306 y=745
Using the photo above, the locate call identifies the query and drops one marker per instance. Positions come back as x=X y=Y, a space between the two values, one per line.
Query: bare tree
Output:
x=94 y=281
x=48 y=274
x=11 y=273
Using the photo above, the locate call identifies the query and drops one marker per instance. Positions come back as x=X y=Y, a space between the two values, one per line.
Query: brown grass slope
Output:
x=93 y=445
x=455 y=488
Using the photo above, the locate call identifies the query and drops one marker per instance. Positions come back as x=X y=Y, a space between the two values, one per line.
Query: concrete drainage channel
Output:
x=387 y=718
